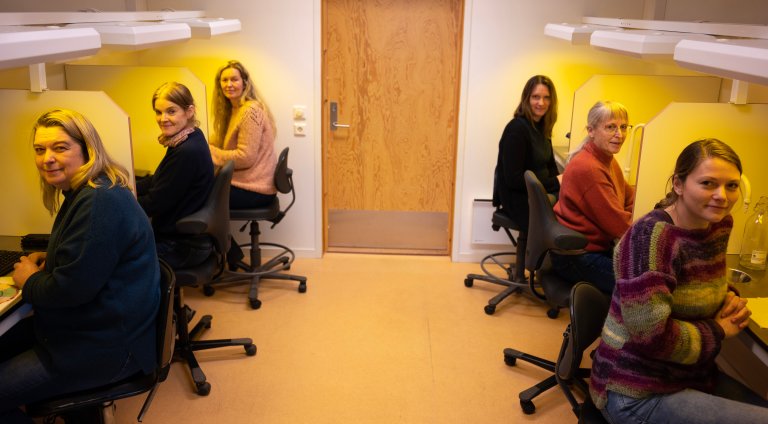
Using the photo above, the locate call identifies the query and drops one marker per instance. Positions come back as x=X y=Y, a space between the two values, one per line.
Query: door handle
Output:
x=335 y=116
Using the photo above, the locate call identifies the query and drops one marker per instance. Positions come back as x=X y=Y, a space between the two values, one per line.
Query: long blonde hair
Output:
x=222 y=107
x=97 y=160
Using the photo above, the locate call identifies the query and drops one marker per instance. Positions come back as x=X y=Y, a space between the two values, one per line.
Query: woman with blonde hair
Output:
x=243 y=131
x=595 y=200
x=96 y=290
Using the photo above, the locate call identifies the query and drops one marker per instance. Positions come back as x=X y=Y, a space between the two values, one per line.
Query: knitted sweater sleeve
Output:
x=247 y=134
x=647 y=266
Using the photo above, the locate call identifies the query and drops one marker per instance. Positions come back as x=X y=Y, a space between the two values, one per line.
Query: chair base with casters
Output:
x=89 y=405
x=514 y=281
x=186 y=343
x=588 y=307
x=272 y=269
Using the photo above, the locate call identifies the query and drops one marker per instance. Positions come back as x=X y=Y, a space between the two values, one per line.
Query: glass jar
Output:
x=754 y=244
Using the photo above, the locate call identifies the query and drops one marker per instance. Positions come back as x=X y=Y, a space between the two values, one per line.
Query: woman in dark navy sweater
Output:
x=95 y=292
x=183 y=179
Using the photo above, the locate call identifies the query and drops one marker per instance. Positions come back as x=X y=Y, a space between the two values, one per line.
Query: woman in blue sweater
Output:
x=95 y=292
x=183 y=179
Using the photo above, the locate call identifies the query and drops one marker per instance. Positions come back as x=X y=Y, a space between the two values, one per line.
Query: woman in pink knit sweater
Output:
x=244 y=131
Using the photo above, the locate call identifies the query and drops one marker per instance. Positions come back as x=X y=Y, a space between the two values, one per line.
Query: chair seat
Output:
x=131 y=386
x=200 y=274
x=256 y=214
x=501 y=219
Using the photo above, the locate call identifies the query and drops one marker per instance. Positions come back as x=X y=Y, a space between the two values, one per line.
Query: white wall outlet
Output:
x=299 y=129
x=299 y=112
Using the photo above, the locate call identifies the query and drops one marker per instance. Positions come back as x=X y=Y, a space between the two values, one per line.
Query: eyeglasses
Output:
x=613 y=127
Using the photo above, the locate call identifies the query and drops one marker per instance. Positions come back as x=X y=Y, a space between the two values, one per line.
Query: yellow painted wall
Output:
x=644 y=96
x=132 y=87
x=22 y=210
x=740 y=126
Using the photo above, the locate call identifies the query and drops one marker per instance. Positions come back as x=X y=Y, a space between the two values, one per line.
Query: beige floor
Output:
x=376 y=339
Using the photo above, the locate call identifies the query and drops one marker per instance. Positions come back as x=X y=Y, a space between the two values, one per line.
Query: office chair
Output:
x=93 y=401
x=515 y=279
x=272 y=269
x=545 y=235
x=589 y=307
x=212 y=219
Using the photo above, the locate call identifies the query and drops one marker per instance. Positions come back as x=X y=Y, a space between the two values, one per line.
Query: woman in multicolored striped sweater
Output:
x=672 y=306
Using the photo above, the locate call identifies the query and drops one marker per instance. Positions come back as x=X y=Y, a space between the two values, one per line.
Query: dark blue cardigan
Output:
x=96 y=300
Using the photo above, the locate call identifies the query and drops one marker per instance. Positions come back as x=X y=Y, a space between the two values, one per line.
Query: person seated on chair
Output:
x=526 y=144
x=182 y=181
x=595 y=200
x=672 y=306
x=244 y=131
x=95 y=292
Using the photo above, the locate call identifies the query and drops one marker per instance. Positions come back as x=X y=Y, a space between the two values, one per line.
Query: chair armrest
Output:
x=565 y=238
x=193 y=224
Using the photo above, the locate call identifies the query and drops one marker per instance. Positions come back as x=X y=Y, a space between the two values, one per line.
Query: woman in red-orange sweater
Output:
x=595 y=200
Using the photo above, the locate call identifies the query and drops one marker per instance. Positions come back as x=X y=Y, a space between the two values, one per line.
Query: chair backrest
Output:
x=545 y=233
x=213 y=218
x=166 y=326
x=284 y=183
x=589 y=307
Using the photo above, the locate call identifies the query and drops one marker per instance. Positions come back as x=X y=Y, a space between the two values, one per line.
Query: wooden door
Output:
x=391 y=68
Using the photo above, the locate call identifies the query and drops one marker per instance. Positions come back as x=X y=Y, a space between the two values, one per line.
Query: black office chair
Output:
x=589 y=307
x=212 y=219
x=92 y=402
x=272 y=269
x=503 y=273
x=545 y=235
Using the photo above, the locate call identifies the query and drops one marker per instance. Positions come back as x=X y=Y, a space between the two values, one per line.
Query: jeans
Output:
x=595 y=268
x=731 y=403
x=26 y=377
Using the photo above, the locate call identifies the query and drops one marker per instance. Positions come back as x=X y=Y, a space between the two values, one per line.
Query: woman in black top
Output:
x=526 y=145
x=181 y=183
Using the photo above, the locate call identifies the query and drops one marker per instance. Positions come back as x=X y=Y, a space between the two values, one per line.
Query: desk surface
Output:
x=758 y=287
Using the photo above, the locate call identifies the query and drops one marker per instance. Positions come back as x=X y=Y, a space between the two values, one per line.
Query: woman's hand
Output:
x=27 y=266
x=733 y=315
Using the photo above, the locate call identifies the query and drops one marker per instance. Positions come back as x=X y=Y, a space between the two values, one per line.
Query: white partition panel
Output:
x=22 y=207
x=644 y=96
x=132 y=87
x=740 y=126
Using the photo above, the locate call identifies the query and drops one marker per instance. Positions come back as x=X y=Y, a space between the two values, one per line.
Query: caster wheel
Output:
x=204 y=389
x=490 y=309
x=510 y=360
x=255 y=303
x=468 y=282
x=302 y=288
x=553 y=313
x=250 y=349
x=528 y=407
x=208 y=290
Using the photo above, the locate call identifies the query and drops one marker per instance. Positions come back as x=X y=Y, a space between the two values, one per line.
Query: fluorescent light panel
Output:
x=641 y=43
x=210 y=27
x=575 y=33
x=22 y=46
x=739 y=59
x=138 y=35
